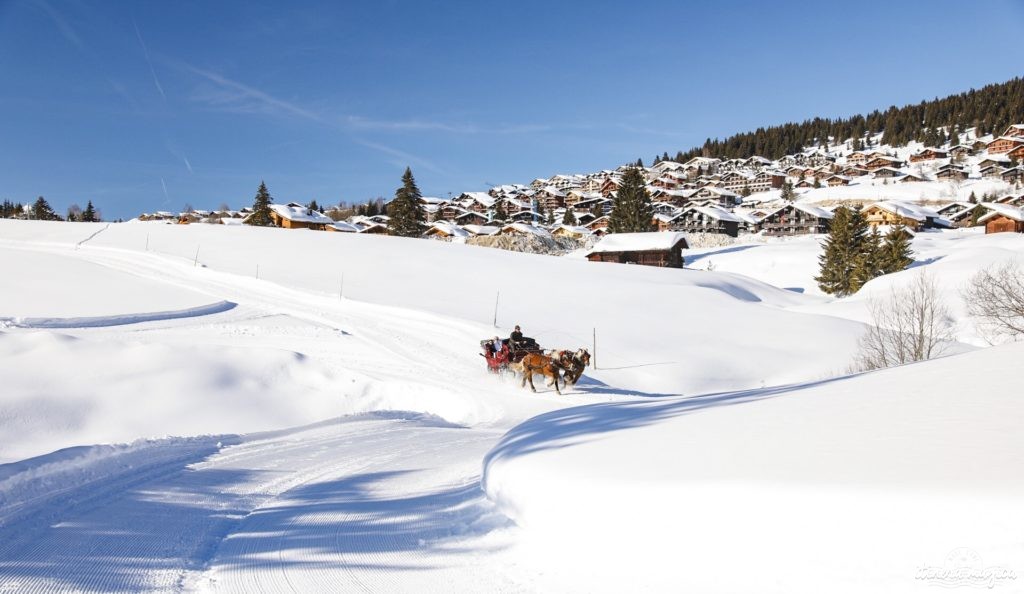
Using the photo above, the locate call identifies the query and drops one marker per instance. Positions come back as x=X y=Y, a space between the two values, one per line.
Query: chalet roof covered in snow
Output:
x=1009 y=211
x=716 y=213
x=638 y=242
x=908 y=210
x=298 y=213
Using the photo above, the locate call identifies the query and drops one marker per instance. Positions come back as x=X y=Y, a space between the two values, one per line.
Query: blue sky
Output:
x=142 y=106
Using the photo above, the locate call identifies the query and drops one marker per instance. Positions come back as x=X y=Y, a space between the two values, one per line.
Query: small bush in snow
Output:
x=909 y=324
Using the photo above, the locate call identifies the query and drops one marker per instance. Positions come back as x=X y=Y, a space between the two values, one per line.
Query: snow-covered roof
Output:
x=638 y=242
x=481 y=229
x=716 y=213
x=574 y=229
x=482 y=197
x=908 y=210
x=448 y=229
x=525 y=228
x=345 y=227
x=814 y=211
x=1007 y=210
x=301 y=214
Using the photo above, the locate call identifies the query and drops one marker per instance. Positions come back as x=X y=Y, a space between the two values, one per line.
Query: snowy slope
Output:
x=844 y=485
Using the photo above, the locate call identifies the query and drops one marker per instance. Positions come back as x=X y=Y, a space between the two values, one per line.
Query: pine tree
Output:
x=843 y=249
x=313 y=206
x=787 y=192
x=869 y=261
x=976 y=213
x=569 y=218
x=551 y=218
x=260 y=216
x=972 y=198
x=89 y=214
x=632 y=212
x=41 y=211
x=597 y=210
x=896 y=254
x=405 y=211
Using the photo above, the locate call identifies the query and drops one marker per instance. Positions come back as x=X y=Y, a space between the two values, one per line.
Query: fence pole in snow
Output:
x=257 y=271
x=196 y=261
x=147 y=242
x=497 y=296
x=595 y=348
x=341 y=287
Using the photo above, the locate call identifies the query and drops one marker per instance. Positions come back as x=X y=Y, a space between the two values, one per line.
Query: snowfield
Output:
x=210 y=408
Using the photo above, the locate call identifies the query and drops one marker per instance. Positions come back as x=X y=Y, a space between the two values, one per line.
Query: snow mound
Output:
x=893 y=469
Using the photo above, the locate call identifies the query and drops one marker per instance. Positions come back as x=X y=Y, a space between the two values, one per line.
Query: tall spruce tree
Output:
x=895 y=252
x=260 y=216
x=843 y=249
x=89 y=214
x=41 y=211
x=569 y=218
x=500 y=214
x=632 y=212
x=787 y=192
x=869 y=262
x=405 y=212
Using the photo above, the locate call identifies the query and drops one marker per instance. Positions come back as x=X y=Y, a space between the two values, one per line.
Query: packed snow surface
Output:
x=237 y=409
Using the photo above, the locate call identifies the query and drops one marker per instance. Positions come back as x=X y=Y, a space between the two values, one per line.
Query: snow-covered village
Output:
x=294 y=342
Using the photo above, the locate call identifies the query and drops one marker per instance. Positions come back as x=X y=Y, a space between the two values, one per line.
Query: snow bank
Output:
x=845 y=485
x=61 y=391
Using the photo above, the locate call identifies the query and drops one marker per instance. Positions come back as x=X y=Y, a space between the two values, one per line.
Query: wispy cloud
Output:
x=361 y=123
x=145 y=52
x=403 y=158
x=65 y=28
x=167 y=197
x=232 y=95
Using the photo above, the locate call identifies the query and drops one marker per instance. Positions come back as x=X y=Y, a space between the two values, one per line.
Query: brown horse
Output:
x=535 y=363
x=574 y=364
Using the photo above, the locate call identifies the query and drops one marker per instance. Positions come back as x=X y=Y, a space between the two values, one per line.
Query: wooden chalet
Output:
x=1004 y=144
x=707 y=219
x=796 y=219
x=928 y=154
x=880 y=161
x=951 y=172
x=993 y=171
x=297 y=216
x=911 y=216
x=1004 y=218
x=1013 y=175
x=610 y=186
x=647 y=249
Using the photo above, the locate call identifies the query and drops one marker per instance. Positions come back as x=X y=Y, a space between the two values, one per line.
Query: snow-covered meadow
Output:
x=229 y=408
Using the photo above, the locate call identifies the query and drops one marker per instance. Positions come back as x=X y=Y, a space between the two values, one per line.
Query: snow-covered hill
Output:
x=178 y=401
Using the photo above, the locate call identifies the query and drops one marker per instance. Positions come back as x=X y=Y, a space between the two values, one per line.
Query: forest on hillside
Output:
x=990 y=109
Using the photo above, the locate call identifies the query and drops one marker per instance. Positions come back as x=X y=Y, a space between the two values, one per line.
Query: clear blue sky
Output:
x=143 y=106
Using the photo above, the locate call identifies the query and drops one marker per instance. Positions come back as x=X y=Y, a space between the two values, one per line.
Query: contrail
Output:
x=187 y=164
x=145 y=52
x=167 y=198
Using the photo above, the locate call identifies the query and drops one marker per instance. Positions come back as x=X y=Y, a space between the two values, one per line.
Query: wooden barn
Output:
x=1004 y=218
x=647 y=249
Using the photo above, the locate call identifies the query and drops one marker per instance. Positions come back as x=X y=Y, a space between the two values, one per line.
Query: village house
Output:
x=796 y=219
x=951 y=172
x=912 y=216
x=1004 y=218
x=1004 y=144
x=646 y=249
x=880 y=161
x=1013 y=175
x=571 y=231
x=706 y=219
x=297 y=216
x=928 y=154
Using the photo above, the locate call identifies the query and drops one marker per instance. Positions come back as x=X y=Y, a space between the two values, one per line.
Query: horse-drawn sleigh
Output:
x=528 y=358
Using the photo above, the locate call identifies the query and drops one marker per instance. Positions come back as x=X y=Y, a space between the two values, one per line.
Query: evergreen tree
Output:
x=787 y=192
x=260 y=216
x=569 y=218
x=896 y=254
x=843 y=249
x=41 y=211
x=976 y=213
x=313 y=206
x=89 y=214
x=405 y=211
x=597 y=210
x=972 y=198
x=551 y=218
x=745 y=191
x=869 y=261
x=74 y=213
x=632 y=211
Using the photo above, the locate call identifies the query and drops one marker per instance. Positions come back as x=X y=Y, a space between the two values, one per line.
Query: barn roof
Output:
x=998 y=208
x=300 y=214
x=639 y=242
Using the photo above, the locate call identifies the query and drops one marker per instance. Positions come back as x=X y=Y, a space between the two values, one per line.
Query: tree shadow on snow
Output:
x=571 y=426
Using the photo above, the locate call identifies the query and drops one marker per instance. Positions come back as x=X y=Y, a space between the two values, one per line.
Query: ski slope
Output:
x=238 y=409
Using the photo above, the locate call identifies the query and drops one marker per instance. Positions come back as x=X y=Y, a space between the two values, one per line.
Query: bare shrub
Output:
x=909 y=324
x=995 y=296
